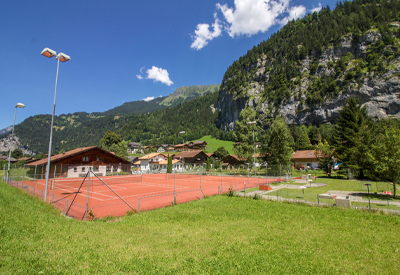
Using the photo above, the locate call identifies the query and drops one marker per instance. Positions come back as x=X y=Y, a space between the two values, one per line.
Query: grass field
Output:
x=214 y=144
x=217 y=235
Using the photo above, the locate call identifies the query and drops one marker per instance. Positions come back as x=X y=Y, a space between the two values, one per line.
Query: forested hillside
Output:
x=195 y=117
x=308 y=68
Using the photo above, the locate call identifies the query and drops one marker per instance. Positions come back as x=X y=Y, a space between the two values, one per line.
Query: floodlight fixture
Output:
x=20 y=105
x=63 y=57
x=48 y=53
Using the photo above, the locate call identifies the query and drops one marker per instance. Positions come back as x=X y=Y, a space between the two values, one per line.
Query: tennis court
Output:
x=116 y=195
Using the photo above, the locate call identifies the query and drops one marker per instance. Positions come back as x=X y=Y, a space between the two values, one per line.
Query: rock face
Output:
x=379 y=93
x=5 y=145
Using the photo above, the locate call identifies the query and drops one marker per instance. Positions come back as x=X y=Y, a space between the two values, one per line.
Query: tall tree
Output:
x=244 y=134
x=385 y=156
x=304 y=141
x=169 y=165
x=113 y=142
x=324 y=154
x=353 y=136
x=278 y=147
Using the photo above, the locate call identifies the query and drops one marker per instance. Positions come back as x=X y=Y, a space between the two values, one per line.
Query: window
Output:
x=75 y=169
x=83 y=169
x=115 y=168
x=108 y=169
x=85 y=158
x=99 y=158
x=95 y=168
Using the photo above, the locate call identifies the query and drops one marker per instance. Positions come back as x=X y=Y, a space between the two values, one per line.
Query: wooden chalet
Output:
x=76 y=163
x=195 y=157
x=12 y=160
x=305 y=158
x=196 y=145
x=182 y=147
x=233 y=160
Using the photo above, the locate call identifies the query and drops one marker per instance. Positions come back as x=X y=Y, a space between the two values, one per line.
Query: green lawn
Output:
x=216 y=235
x=214 y=144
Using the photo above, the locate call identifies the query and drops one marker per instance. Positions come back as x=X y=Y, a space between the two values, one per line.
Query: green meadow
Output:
x=216 y=235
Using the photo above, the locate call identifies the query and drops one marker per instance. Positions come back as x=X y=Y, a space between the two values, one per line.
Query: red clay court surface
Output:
x=146 y=192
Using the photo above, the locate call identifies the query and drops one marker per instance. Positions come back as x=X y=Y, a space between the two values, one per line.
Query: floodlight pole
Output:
x=51 y=135
x=63 y=57
x=183 y=151
x=19 y=105
x=254 y=147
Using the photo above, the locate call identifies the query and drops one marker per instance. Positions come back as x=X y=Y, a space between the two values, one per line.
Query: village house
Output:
x=194 y=158
x=135 y=148
x=151 y=162
x=196 y=145
x=76 y=163
x=305 y=158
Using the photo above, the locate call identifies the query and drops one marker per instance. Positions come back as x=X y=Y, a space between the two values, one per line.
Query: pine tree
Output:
x=279 y=143
x=244 y=134
x=169 y=165
x=353 y=136
x=304 y=141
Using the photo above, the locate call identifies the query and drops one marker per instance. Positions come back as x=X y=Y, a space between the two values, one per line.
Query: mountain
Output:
x=187 y=93
x=144 y=121
x=307 y=70
x=6 y=130
x=134 y=107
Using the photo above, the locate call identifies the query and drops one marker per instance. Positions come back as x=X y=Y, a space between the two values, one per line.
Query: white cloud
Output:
x=159 y=74
x=139 y=76
x=317 y=9
x=203 y=35
x=294 y=13
x=249 y=17
x=148 y=98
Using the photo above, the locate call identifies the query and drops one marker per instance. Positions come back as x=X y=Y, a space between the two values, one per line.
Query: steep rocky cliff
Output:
x=379 y=92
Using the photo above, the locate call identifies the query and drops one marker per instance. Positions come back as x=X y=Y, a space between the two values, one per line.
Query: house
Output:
x=176 y=165
x=133 y=159
x=151 y=162
x=76 y=163
x=27 y=159
x=196 y=145
x=182 y=147
x=12 y=160
x=135 y=148
x=305 y=158
x=163 y=148
x=195 y=157
x=233 y=160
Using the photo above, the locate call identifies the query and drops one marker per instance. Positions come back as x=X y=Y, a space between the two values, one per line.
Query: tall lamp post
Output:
x=254 y=146
x=19 y=105
x=63 y=58
x=183 y=150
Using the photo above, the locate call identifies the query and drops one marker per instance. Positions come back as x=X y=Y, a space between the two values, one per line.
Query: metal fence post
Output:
x=66 y=207
x=52 y=185
x=369 y=202
x=34 y=181
x=23 y=173
x=138 y=205
x=174 y=190
x=87 y=195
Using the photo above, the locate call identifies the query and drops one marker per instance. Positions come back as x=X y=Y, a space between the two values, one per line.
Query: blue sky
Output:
x=124 y=51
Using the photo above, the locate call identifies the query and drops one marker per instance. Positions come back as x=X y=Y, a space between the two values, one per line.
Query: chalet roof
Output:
x=165 y=162
x=236 y=157
x=133 y=144
x=210 y=154
x=199 y=142
x=6 y=158
x=73 y=153
x=304 y=154
x=137 y=162
x=190 y=154
x=149 y=156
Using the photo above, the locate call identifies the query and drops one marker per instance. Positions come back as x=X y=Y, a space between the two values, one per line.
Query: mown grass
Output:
x=214 y=144
x=217 y=235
